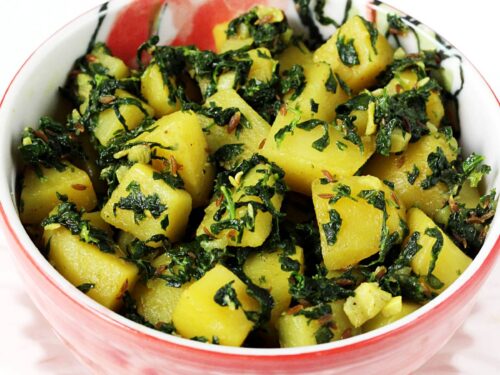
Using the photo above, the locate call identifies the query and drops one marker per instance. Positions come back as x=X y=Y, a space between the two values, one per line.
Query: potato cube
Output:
x=144 y=205
x=39 y=194
x=387 y=316
x=264 y=270
x=108 y=124
x=451 y=261
x=83 y=88
x=263 y=65
x=369 y=299
x=182 y=149
x=107 y=275
x=408 y=170
x=114 y=66
x=223 y=44
x=214 y=307
x=155 y=299
x=295 y=329
x=296 y=150
x=345 y=239
x=156 y=92
x=242 y=223
x=357 y=53
x=250 y=134
x=294 y=54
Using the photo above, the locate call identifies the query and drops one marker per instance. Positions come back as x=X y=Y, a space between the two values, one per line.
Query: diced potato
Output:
x=138 y=194
x=182 y=150
x=451 y=261
x=398 y=168
x=115 y=67
x=156 y=92
x=201 y=312
x=264 y=270
x=387 y=316
x=345 y=239
x=39 y=195
x=294 y=151
x=262 y=173
x=298 y=330
x=83 y=263
x=251 y=137
x=263 y=65
x=294 y=54
x=367 y=302
x=223 y=44
x=155 y=299
x=372 y=59
x=108 y=124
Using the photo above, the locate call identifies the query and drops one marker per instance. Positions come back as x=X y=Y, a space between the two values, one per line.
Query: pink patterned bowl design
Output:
x=107 y=342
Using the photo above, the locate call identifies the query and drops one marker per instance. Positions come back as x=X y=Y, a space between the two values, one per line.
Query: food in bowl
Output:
x=275 y=193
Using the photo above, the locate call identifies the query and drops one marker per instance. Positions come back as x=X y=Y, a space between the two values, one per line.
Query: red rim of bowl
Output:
x=186 y=344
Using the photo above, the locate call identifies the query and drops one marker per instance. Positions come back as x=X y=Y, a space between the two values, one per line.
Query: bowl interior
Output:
x=124 y=24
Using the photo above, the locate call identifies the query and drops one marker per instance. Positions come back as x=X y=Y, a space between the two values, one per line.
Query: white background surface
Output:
x=28 y=345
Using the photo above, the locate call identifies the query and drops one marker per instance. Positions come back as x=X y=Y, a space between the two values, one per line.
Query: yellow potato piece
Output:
x=176 y=203
x=384 y=318
x=396 y=169
x=356 y=239
x=156 y=92
x=197 y=314
x=39 y=195
x=81 y=263
x=294 y=54
x=251 y=137
x=264 y=270
x=263 y=220
x=109 y=125
x=451 y=261
x=182 y=149
x=369 y=299
x=372 y=61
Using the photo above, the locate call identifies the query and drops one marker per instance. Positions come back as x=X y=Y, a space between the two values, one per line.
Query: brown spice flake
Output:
x=107 y=99
x=347 y=333
x=262 y=143
x=325 y=319
x=328 y=175
x=219 y=200
x=326 y=196
x=79 y=187
x=91 y=58
x=283 y=110
x=232 y=234
x=294 y=310
x=344 y=282
x=40 y=134
x=234 y=122
x=174 y=166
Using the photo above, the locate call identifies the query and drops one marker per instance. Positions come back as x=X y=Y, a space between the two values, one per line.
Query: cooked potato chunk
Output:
x=214 y=308
x=132 y=114
x=367 y=302
x=224 y=44
x=114 y=66
x=303 y=151
x=155 y=299
x=345 y=239
x=235 y=214
x=106 y=275
x=250 y=129
x=295 y=55
x=357 y=53
x=410 y=169
x=296 y=329
x=144 y=205
x=157 y=93
x=394 y=310
x=436 y=247
x=264 y=269
x=39 y=194
x=179 y=146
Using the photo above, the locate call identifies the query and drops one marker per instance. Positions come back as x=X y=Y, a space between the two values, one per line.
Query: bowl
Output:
x=107 y=342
